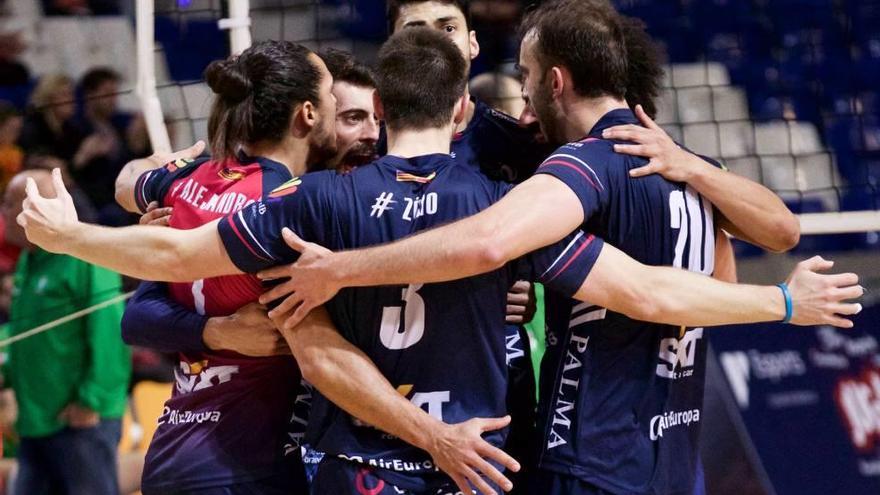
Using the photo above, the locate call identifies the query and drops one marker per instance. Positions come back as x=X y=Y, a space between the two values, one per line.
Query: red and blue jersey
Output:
x=621 y=400
x=441 y=345
x=228 y=420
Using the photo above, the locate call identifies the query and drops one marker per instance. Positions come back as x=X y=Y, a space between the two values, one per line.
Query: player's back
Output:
x=621 y=399
x=221 y=400
x=442 y=345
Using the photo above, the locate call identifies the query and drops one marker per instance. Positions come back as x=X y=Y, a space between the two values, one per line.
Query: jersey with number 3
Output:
x=228 y=418
x=441 y=345
x=621 y=400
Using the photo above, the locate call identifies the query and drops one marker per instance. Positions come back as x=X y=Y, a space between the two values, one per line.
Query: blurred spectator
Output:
x=11 y=155
x=5 y=295
x=47 y=126
x=9 y=253
x=12 y=71
x=499 y=91
x=113 y=137
x=70 y=382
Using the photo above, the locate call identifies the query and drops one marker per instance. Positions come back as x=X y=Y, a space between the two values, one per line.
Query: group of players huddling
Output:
x=404 y=336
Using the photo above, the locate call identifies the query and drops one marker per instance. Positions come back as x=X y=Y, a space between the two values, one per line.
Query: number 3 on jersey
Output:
x=404 y=325
x=692 y=217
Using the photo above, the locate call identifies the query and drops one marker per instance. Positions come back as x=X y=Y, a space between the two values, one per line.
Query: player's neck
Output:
x=408 y=144
x=291 y=153
x=582 y=114
x=469 y=114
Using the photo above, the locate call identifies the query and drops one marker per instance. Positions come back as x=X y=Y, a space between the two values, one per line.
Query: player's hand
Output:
x=77 y=416
x=460 y=451
x=819 y=299
x=191 y=153
x=652 y=142
x=48 y=222
x=156 y=216
x=521 y=305
x=310 y=282
x=248 y=331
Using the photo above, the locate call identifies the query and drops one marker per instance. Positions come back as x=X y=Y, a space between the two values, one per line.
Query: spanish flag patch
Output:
x=288 y=187
x=408 y=177
x=178 y=164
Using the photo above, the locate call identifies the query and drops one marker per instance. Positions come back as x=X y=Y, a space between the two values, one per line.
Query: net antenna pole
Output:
x=844 y=222
x=146 y=77
x=239 y=25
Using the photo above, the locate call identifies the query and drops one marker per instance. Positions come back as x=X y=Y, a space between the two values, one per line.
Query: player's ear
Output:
x=557 y=81
x=474 y=44
x=378 y=109
x=304 y=119
x=460 y=109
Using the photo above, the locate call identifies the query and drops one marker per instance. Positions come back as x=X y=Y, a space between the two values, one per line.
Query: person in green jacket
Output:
x=70 y=381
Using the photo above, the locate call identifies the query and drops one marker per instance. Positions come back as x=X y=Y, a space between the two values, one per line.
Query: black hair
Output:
x=422 y=74
x=394 y=7
x=344 y=67
x=257 y=92
x=644 y=66
x=94 y=78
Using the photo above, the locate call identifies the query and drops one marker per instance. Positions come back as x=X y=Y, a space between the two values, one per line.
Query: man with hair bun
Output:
x=245 y=340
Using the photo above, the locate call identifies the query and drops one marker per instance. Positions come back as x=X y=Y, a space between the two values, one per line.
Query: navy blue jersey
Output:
x=621 y=399
x=441 y=345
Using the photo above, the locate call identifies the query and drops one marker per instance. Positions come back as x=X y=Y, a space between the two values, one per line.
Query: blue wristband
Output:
x=788 y=306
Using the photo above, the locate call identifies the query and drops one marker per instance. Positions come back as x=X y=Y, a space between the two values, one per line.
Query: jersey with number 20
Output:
x=621 y=400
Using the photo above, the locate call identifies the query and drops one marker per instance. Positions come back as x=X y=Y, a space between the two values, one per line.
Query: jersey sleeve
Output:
x=153 y=185
x=582 y=170
x=505 y=150
x=152 y=319
x=564 y=266
x=252 y=236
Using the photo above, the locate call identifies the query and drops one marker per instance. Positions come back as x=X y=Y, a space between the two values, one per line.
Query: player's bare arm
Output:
x=538 y=212
x=752 y=213
x=141 y=251
x=547 y=209
x=129 y=174
x=347 y=377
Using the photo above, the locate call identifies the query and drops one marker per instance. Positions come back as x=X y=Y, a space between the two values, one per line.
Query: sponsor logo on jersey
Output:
x=392 y=464
x=178 y=164
x=408 y=177
x=678 y=355
x=288 y=187
x=672 y=419
x=567 y=391
x=191 y=377
x=231 y=174
x=177 y=417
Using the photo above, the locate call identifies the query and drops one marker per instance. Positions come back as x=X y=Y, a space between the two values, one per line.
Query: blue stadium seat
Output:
x=194 y=45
